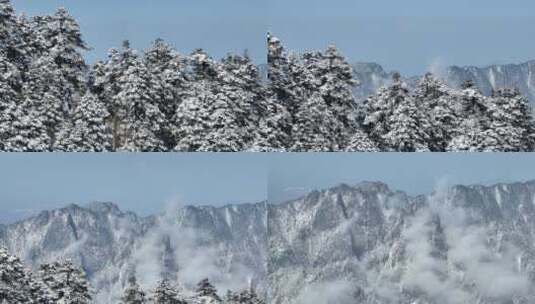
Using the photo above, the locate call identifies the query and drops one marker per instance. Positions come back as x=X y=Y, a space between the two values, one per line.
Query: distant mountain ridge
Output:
x=352 y=238
x=347 y=244
x=521 y=76
x=109 y=244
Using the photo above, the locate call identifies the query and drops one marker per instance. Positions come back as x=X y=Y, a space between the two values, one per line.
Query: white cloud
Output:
x=336 y=292
x=438 y=67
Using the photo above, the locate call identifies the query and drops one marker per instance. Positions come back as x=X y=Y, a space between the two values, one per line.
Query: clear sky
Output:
x=219 y=26
x=410 y=36
x=292 y=175
x=142 y=182
x=145 y=182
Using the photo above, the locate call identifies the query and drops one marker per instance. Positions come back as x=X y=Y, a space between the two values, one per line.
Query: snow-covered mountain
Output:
x=370 y=76
x=522 y=76
x=465 y=244
x=348 y=244
x=227 y=244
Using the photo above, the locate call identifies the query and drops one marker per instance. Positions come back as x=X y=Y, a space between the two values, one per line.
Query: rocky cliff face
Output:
x=522 y=76
x=348 y=244
x=369 y=244
x=227 y=244
x=370 y=76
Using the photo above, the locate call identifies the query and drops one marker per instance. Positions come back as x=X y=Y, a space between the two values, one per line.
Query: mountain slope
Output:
x=348 y=244
x=226 y=244
x=368 y=244
x=522 y=76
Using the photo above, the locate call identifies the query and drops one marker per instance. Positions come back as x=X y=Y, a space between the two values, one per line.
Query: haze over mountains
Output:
x=521 y=76
x=364 y=243
x=226 y=244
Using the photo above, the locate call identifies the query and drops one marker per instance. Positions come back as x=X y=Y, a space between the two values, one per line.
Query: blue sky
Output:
x=145 y=182
x=292 y=175
x=219 y=26
x=410 y=36
x=142 y=182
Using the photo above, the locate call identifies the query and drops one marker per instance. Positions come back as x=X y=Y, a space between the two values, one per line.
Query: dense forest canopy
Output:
x=160 y=100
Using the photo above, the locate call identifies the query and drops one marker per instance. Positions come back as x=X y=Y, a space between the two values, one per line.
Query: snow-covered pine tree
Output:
x=14 y=43
x=265 y=120
x=38 y=27
x=320 y=79
x=188 y=120
x=231 y=297
x=43 y=102
x=10 y=99
x=472 y=111
x=133 y=294
x=8 y=116
x=360 y=142
x=274 y=128
x=511 y=123
x=206 y=125
x=520 y=115
x=144 y=120
x=64 y=44
x=279 y=74
x=158 y=57
x=239 y=80
x=285 y=94
x=165 y=293
x=468 y=139
x=67 y=283
x=203 y=67
x=105 y=80
x=28 y=132
x=8 y=28
x=243 y=297
x=213 y=114
x=335 y=83
x=31 y=114
x=168 y=68
x=435 y=101
x=242 y=73
x=206 y=293
x=314 y=126
x=17 y=285
x=384 y=113
x=408 y=128
x=87 y=130
x=377 y=109
x=192 y=119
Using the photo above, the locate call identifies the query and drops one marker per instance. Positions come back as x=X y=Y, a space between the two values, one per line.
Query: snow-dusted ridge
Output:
x=110 y=244
x=363 y=243
x=372 y=76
